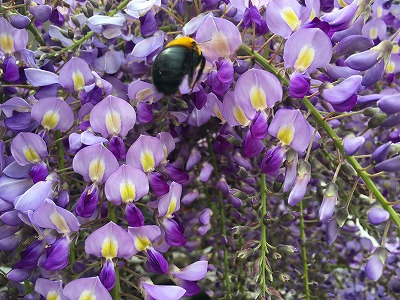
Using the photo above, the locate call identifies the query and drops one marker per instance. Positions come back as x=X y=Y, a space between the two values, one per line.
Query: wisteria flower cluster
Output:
x=274 y=175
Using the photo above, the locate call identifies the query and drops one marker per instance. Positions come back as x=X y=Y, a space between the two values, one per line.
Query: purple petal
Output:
x=377 y=215
x=34 y=197
x=107 y=275
x=49 y=215
x=53 y=113
x=126 y=184
x=83 y=286
x=170 y=202
x=156 y=262
x=390 y=165
x=95 y=163
x=165 y=292
x=57 y=255
x=193 y=272
x=352 y=144
x=108 y=238
x=112 y=116
x=146 y=153
x=37 y=77
x=28 y=148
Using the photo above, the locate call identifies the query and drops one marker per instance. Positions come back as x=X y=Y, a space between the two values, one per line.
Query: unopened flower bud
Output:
x=286 y=249
x=376 y=120
x=342 y=215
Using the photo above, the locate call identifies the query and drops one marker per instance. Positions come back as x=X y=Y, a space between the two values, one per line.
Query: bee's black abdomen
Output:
x=170 y=67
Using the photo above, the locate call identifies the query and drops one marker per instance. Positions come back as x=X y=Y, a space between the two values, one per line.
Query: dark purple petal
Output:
x=156 y=262
x=88 y=202
x=299 y=85
x=173 y=232
x=57 y=255
x=134 y=216
x=107 y=275
x=252 y=147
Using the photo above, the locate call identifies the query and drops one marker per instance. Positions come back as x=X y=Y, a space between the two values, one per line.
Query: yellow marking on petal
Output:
x=59 y=221
x=113 y=122
x=258 y=98
x=342 y=3
x=218 y=113
x=390 y=67
x=142 y=242
x=171 y=207
x=286 y=134
x=379 y=12
x=31 y=155
x=305 y=58
x=312 y=15
x=50 y=119
x=53 y=295
x=79 y=81
x=395 y=48
x=290 y=17
x=239 y=115
x=109 y=248
x=165 y=150
x=220 y=43
x=96 y=169
x=7 y=43
x=127 y=191
x=87 y=295
x=143 y=94
x=147 y=160
x=373 y=33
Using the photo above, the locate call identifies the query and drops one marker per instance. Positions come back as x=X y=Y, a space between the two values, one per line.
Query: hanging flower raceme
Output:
x=109 y=242
x=143 y=237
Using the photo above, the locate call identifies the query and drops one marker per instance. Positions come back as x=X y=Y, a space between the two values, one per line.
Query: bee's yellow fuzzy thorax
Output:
x=186 y=42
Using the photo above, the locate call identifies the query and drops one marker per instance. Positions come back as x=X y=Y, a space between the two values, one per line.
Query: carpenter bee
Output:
x=179 y=58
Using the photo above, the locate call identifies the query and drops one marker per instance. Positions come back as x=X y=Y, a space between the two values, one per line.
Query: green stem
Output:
x=117 y=288
x=222 y=218
x=111 y=212
x=263 y=241
x=32 y=28
x=27 y=286
x=332 y=134
x=304 y=253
